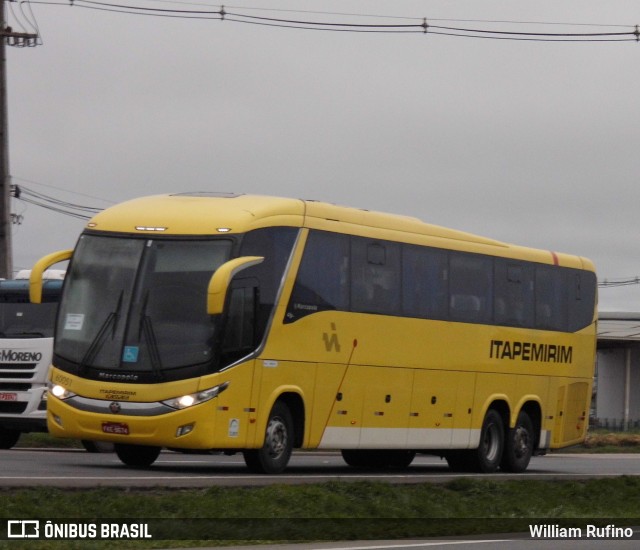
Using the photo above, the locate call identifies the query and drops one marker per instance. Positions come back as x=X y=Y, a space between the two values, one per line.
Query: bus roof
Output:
x=204 y=213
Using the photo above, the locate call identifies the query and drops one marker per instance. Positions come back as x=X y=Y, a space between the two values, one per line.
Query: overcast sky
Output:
x=536 y=143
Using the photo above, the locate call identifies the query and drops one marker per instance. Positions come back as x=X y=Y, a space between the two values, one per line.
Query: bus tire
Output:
x=400 y=459
x=8 y=437
x=487 y=457
x=354 y=458
x=396 y=459
x=97 y=446
x=274 y=455
x=518 y=446
x=459 y=461
x=138 y=456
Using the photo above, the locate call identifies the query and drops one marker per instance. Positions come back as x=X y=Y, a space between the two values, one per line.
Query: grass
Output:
x=627 y=441
x=40 y=440
x=602 y=441
x=329 y=511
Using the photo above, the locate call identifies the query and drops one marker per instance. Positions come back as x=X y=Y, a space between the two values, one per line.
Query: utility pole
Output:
x=20 y=39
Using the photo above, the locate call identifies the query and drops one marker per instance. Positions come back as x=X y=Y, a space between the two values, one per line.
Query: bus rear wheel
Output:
x=274 y=455
x=138 y=456
x=518 y=447
x=487 y=457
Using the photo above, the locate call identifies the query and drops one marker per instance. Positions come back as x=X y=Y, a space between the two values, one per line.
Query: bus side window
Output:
x=513 y=294
x=551 y=298
x=375 y=276
x=240 y=327
x=470 y=288
x=424 y=282
x=275 y=245
x=322 y=282
x=582 y=296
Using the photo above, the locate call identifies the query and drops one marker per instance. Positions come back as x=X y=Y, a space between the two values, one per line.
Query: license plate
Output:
x=119 y=428
x=6 y=396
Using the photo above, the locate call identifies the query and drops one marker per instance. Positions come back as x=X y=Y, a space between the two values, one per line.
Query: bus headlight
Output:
x=186 y=401
x=60 y=392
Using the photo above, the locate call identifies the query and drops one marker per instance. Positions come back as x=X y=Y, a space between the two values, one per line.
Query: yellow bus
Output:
x=260 y=325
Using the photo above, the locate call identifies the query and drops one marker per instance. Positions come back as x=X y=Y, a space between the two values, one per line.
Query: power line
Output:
x=345 y=22
x=62 y=189
x=611 y=283
x=53 y=204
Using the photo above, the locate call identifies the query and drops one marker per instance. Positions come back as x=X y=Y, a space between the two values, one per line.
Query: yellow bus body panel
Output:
x=438 y=376
x=226 y=421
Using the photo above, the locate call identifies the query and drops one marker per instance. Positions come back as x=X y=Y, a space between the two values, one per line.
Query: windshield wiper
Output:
x=146 y=327
x=98 y=341
x=154 y=353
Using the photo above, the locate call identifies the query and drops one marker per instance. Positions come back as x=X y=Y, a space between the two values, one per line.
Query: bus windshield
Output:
x=138 y=305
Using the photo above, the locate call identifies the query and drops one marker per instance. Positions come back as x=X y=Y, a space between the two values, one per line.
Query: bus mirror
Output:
x=35 y=280
x=219 y=283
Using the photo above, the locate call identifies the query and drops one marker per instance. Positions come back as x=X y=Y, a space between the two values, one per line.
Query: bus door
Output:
x=239 y=340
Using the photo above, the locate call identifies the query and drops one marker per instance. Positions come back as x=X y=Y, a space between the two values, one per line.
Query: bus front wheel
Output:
x=138 y=456
x=274 y=455
x=518 y=446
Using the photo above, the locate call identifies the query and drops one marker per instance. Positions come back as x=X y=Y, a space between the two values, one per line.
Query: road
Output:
x=75 y=468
